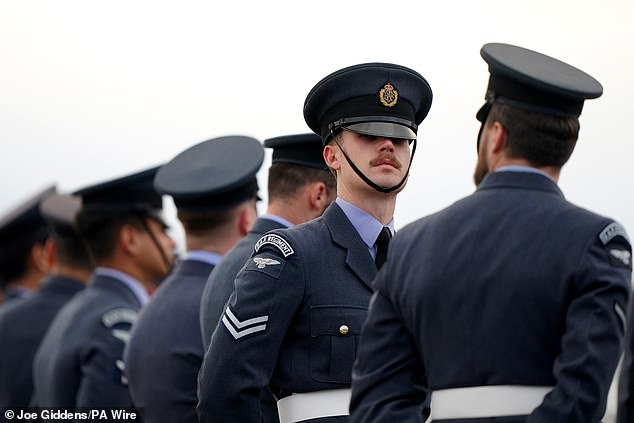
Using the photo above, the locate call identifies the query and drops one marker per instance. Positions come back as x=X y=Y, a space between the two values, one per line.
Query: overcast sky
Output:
x=93 y=90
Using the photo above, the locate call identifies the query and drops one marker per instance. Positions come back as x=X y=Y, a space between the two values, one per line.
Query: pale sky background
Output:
x=93 y=90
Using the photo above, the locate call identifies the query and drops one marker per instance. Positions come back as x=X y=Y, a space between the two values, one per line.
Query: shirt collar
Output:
x=278 y=219
x=134 y=285
x=365 y=224
x=204 y=256
x=520 y=168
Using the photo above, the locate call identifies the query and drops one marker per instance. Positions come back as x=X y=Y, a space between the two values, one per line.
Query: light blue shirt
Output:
x=204 y=256
x=366 y=225
x=527 y=169
x=278 y=219
x=135 y=286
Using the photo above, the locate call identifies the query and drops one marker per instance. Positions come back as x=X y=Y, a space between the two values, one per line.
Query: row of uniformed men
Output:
x=510 y=304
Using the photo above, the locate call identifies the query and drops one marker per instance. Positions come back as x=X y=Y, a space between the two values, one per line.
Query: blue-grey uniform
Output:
x=22 y=327
x=208 y=182
x=299 y=154
x=510 y=286
x=220 y=284
x=12 y=293
x=80 y=361
x=164 y=354
x=294 y=319
x=508 y=305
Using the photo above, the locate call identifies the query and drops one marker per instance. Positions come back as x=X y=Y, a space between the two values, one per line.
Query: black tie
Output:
x=382 y=242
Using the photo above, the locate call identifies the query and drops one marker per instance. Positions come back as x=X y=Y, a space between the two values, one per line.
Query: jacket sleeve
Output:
x=593 y=337
x=103 y=383
x=388 y=376
x=245 y=344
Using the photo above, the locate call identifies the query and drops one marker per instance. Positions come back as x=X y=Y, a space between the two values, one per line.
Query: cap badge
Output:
x=388 y=95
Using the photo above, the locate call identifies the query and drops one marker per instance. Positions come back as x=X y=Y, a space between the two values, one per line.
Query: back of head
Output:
x=539 y=138
x=108 y=206
x=297 y=161
x=20 y=230
x=285 y=180
x=60 y=212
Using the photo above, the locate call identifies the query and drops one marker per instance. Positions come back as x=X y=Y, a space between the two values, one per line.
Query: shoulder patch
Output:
x=118 y=315
x=266 y=264
x=611 y=231
x=276 y=241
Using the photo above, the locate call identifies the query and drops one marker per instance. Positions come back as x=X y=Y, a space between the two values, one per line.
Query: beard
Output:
x=481 y=170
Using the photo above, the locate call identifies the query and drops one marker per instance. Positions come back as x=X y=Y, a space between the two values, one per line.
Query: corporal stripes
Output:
x=239 y=329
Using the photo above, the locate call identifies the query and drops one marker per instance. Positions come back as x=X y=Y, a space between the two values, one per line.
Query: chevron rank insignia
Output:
x=267 y=264
x=241 y=328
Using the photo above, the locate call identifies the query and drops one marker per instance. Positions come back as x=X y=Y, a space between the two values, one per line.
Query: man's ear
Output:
x=331 y=157
x=40 y=257
x=317 y=195
x=128 y=239
x=246 y=219
x=498 y=137
x=50 y=252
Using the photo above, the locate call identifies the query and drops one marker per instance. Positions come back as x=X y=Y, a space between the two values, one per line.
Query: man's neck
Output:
x=216 y=244
x=552 y=171
x=31 y=280
x=378 y=205
x=80 y=275
x=286 y=211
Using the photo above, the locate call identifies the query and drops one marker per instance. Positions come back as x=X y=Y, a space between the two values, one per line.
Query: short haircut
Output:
x=286 y=179
x=204 y=222
x=71 y=251
x=542 y=139
x=16 y=266
x=100 y=231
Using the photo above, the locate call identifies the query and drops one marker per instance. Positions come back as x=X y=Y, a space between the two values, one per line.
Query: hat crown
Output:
x=376 y=92
x=217 y=172
x=527 y=79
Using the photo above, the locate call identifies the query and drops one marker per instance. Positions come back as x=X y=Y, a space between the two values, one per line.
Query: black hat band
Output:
x=367 y=109
x=217 y=201
x=514 y=93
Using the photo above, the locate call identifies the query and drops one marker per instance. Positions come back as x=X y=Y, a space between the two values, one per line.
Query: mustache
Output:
x=386 y=156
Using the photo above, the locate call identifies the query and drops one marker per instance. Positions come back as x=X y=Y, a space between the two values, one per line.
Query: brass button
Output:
x=343 y=329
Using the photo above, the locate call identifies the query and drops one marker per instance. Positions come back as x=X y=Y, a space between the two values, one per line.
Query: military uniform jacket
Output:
x=22 y=327
x=219 y=287
x=625 y=410
x=79 y=363
x=283 y=325
x=512 y=285
x=165 y=351
x=220 y=283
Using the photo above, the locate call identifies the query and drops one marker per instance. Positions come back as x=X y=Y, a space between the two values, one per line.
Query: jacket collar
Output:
x=263 y=225
x=519 y=180
x=343 y=233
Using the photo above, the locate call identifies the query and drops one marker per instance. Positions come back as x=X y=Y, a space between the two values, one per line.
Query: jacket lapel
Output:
x=343 y=233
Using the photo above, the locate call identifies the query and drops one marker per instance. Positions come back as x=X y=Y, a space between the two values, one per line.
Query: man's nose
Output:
x=386 y=145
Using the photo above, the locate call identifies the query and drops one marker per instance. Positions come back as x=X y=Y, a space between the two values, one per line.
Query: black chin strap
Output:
x=147 y=229
x=367 y=180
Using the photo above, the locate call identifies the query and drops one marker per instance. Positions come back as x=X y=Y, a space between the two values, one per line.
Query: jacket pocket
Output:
x=335 y=332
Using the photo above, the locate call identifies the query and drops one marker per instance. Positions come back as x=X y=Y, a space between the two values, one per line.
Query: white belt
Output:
x=486 y=401
x=313 y=405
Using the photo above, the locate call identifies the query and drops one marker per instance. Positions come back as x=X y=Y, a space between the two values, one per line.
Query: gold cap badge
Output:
x=388 y=95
